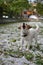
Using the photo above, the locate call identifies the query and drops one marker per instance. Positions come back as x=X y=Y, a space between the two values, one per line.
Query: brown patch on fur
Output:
x=28 y=26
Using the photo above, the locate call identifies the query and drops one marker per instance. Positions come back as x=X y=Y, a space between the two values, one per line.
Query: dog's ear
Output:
x=28 y=26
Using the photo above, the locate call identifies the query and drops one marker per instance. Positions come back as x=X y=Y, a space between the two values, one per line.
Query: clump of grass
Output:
x=29 y=56
x=13 y=53
x=13 y=40
x=6 y=53
x=39 y=60
x=16 y=54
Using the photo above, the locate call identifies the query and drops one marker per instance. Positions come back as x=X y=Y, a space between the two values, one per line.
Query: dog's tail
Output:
x=37 y=27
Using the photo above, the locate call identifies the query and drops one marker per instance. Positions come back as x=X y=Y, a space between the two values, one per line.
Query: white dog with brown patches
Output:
x=28 y=35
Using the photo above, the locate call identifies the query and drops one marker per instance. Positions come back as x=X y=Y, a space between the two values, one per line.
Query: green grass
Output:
x=29 y=56
x=39 y=60
x=13 y=40
x=13 y=53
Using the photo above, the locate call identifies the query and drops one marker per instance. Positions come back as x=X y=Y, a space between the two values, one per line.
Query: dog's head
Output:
x=24 y=30
x=25 y=26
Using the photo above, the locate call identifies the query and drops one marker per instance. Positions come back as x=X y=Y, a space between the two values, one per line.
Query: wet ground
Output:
x=10 y=45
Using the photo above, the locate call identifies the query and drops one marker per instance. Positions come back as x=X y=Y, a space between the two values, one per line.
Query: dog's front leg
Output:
x=29 y=43
x=22 y=43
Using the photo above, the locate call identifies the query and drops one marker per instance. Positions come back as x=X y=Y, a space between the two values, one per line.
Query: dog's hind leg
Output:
x=36 y=39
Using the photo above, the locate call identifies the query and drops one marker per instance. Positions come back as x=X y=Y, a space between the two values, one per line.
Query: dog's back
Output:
x=33 y=33
x=34 y=29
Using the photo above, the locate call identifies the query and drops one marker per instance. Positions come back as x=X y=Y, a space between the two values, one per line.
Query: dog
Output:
x=27 y=34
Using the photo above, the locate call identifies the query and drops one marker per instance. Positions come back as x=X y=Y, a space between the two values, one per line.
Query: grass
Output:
x=29 y=56
x=39 y=60
x=13 y=40
x=19 y=54
x=13 y=53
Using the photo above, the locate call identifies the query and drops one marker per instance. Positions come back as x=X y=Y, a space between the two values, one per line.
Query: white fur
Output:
x=32 y=33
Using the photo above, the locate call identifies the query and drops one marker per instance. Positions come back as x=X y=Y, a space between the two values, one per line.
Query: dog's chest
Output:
x=24 y=33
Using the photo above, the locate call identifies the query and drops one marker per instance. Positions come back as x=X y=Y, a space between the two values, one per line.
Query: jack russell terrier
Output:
x=27 y=34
